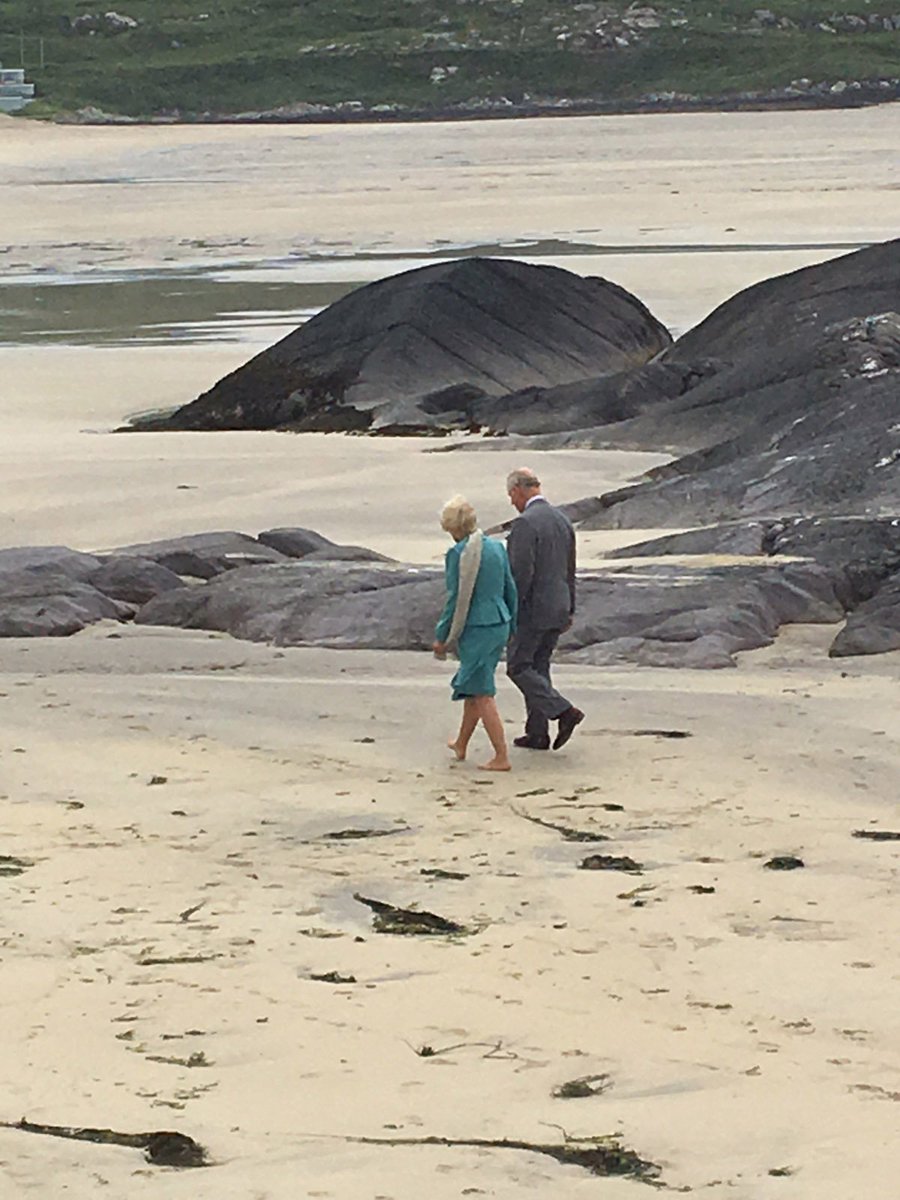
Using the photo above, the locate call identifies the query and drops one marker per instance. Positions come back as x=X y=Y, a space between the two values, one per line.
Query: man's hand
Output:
x=440 y=649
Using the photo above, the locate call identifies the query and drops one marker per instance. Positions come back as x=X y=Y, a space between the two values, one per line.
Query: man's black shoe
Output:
x=567 y=722
x=532 y=743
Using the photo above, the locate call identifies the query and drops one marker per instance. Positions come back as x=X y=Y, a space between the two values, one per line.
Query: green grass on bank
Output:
x=228 y=56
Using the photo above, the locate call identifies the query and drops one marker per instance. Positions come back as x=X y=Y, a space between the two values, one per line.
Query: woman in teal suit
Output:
x=478 y=618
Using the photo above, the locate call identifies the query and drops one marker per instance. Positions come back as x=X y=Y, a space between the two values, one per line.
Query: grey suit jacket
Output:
x=541 y=550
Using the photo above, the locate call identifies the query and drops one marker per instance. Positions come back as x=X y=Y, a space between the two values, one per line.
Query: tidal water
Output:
x=262 y=302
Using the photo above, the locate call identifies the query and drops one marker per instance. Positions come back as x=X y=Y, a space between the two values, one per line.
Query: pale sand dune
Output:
x=746 y=1030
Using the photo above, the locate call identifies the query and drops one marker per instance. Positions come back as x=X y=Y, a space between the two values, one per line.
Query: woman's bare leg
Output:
x=460 y=744
x=489 y=714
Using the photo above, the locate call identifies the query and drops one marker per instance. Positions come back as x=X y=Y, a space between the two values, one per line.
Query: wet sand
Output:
x=727 y=182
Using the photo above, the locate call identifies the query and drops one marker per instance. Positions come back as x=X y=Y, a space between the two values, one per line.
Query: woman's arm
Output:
x=451 y=579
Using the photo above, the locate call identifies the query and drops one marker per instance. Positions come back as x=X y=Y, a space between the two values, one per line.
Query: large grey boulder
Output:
x=72 y=563
x=320 y=603
x=668 y=615
x=134 y=580
x=203 y=555
x=416 y=350
x=861 y=557
x=306 y=543
x=874 y=627
x=44 y=592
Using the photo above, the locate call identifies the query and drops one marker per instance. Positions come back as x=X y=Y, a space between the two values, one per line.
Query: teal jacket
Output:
x=495 y=600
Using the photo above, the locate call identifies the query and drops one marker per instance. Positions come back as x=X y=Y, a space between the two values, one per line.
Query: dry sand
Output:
x=744 y=1030
x=748 y=1030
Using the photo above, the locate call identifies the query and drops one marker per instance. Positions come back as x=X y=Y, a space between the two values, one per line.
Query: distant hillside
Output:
x=187 y=58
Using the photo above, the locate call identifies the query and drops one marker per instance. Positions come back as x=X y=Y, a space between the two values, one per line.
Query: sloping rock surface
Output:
x=825 y=442
x=772 y=351
x=874 y=627
x=415 y=350
x=860 y=544
x=785 y=400
x=862 y=558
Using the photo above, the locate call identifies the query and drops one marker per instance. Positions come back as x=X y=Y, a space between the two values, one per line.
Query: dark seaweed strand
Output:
x=600 y=1158
x=163 y=1147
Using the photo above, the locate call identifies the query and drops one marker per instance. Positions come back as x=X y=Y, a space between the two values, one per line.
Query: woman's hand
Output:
x=440 y=649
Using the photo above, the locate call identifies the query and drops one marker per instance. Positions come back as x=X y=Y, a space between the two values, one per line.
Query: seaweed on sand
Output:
x=391 y=919
x=598 y=1155
x=163 y=1148
x=566 y=832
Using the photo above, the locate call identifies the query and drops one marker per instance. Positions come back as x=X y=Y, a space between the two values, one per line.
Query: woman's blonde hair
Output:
x=458 y=517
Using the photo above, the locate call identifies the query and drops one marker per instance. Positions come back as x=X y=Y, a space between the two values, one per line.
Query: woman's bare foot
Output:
x=496 y=764
x=459 y=751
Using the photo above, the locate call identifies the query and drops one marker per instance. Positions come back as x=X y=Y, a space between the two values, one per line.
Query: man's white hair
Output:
x=458 y=517
x=522 y=477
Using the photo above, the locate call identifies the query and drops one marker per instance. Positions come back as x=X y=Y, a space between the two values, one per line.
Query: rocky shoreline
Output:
x=799 y=95
x=782 y=406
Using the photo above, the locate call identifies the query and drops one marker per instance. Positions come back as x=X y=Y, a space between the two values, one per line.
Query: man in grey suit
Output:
x=541 y=550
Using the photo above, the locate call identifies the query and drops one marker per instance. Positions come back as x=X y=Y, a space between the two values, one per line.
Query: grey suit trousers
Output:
x=528 y=666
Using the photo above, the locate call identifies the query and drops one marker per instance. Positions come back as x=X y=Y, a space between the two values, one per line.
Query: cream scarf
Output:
x=469 y=562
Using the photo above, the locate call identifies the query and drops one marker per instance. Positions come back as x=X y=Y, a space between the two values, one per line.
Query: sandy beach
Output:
x=172 y=884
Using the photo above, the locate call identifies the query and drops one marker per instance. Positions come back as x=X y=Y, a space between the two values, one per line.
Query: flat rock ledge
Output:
x=683 y=613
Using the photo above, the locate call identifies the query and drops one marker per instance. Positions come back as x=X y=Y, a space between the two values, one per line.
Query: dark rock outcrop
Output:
x=44 y=592
x=787 y=399
x=325 y=604
x=769 y=354
x=868 y=549
x=661 y=615
x=51 y=591
x=874 y=627
x=204 y=555
x=862 y=558
x=669 y=616
x=417 y=350
x=134 y=580
x=305 y=543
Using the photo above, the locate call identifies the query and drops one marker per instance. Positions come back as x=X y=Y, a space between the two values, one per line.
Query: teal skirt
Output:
x=480 y=648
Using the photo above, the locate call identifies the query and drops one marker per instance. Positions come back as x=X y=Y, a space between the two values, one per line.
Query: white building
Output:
x=15 y=93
